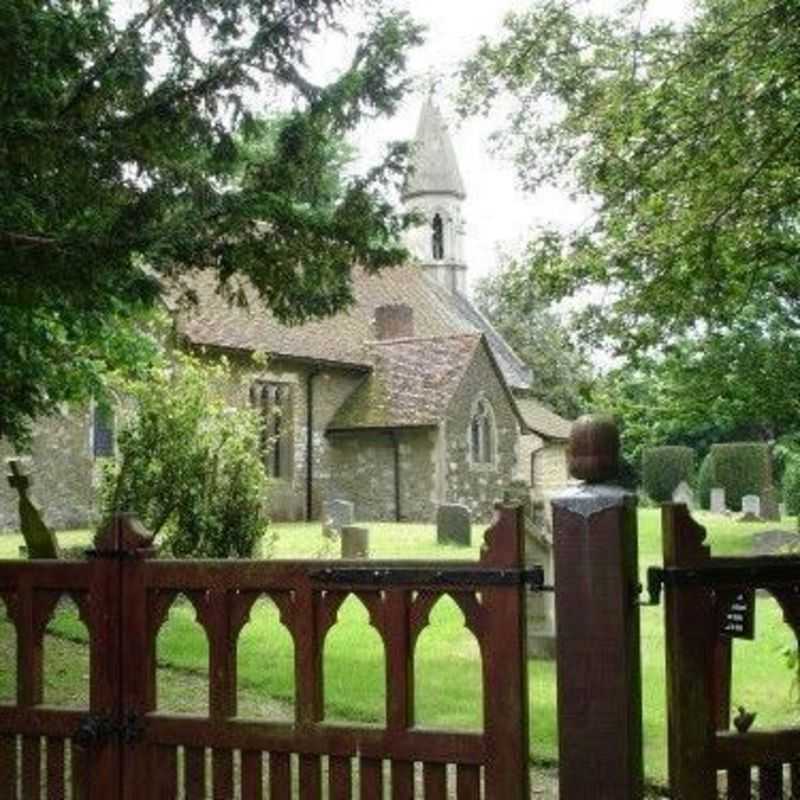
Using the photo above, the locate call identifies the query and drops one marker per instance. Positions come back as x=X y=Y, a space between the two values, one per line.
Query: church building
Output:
x=407 y=400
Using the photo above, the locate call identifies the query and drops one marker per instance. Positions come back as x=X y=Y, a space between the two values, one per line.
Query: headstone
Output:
x=336 y=514
x=769 y=504
x=355 y=542
x=718 y=501
x=751 y=508
x=453 y=525
x=39 y=539
x=683 y=494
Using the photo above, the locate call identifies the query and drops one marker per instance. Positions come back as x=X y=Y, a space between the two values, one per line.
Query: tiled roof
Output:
x=411 y=384
x=542 y=420
x=343 y=338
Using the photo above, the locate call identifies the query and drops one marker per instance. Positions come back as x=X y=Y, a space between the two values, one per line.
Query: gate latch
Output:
x=98 y=729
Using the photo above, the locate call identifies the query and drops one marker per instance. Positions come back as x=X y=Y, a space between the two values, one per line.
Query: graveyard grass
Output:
x=448 y=671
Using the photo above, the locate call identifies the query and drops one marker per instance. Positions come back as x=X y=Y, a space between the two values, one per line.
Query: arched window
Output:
x=274 y=401
x=482 y=433
x=437 y=241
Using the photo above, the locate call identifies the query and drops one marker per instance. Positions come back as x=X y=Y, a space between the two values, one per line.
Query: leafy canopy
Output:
x=686 y=139
x=131 y=153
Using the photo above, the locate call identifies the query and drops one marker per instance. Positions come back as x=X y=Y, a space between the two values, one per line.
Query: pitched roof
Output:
x=344 y=337
x=434 y=166
x=542 y=420
x=411 y=384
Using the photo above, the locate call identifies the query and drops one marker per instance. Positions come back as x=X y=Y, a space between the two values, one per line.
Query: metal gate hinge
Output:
x=98 y=729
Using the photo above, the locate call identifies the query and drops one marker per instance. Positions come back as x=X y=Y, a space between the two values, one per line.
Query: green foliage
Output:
x=740 y=468
x=132 y=155
x=663 y=468
x=189 y=464
x=704 y=483
x=791 y=486
x=685 y=139
x=562 y=375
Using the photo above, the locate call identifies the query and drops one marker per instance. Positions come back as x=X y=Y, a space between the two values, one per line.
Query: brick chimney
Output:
x=394 y=321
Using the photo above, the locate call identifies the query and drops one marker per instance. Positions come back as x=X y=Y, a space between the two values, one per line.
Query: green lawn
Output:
x=448 y=671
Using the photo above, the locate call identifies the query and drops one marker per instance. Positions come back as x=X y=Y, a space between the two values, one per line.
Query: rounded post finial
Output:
x=593 y=451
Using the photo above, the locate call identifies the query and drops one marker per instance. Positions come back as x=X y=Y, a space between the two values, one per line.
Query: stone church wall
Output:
x=63 y=471
x=363 y=472
x=479 y=486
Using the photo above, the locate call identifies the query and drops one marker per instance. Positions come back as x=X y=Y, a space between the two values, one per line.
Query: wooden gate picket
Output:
x=128 y=749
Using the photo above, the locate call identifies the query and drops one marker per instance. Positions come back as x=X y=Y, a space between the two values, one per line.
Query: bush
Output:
x=704 y=483
x=791 y=486
x=740 y=468
x=189 y=465
x=663 y=468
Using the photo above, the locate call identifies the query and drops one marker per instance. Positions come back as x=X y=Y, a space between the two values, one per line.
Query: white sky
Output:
x=498 y=214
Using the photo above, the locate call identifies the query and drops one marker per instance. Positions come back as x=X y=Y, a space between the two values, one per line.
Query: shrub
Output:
x=791 y=486
x=740 y=468
x=704 y=483
x=188 y=464
x=663 y=468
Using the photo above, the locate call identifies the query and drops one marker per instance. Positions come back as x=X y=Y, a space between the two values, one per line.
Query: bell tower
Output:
x=435 y=191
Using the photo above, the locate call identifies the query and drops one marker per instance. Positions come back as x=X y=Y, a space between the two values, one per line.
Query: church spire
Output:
x=435 y=192
x=434 y=167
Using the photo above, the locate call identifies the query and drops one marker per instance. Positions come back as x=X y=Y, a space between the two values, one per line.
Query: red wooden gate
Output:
x=702 y=602
x=125 y=748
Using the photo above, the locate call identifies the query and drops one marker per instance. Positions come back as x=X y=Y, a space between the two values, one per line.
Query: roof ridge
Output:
x=406 y=339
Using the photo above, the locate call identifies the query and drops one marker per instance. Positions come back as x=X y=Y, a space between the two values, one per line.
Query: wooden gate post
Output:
x=693 y=705
x=597 y=624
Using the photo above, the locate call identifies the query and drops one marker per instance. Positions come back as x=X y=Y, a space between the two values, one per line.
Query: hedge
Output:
x=704 y=483
x=740 y=468
x=791 y=486
x=663 y=468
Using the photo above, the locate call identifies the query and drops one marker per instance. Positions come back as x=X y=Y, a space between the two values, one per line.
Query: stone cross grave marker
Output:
x=453 y=525
x=40 y=541
x=683 y=494
x=751 y=506
x=769 y=504
x=718 y=501
x=337 y=514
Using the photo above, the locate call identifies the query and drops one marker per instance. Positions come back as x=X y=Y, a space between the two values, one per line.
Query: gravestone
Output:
x=751 y=508
x=40 y=541
x=355 y=542
x=769 y=504
x=336 y=514
x=453 y=525
x=718 y=501
x=683 y=494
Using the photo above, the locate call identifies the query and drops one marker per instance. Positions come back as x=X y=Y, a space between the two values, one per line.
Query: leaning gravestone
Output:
x=40 y=541
x=355 y=542
x=683 y=494
x=453 y=525
x=769 y=504
x=718 y=501
x=337 y=514
x=751 y=508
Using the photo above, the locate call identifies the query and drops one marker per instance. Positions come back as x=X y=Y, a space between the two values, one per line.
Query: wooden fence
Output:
x=126 y=748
